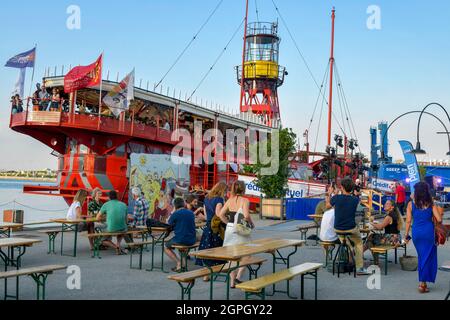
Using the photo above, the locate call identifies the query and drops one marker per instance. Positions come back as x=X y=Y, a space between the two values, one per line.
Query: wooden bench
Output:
x=305 y=228
x=329 y=247
x=52 y=234
x=39 y=275
x=98 y=239
x=184 y=253
x=189 y=277
x=382 y=251
x=137 y=246
x=257 y=287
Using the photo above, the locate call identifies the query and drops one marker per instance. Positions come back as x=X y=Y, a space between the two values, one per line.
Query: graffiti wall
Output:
x=158 y=176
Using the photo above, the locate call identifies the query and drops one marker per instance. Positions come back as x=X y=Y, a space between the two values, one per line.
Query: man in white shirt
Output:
x=327 y=232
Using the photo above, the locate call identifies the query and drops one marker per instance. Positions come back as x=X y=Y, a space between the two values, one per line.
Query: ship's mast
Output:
x=243 y=51
x=330 y=101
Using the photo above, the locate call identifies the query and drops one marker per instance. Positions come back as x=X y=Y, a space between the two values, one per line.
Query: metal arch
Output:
x=420 y=119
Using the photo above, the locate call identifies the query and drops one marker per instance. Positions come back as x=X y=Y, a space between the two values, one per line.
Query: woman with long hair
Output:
x=213 y=233
x=236 y=206
x=392 y=225
x=75 y=209
x=422 y=211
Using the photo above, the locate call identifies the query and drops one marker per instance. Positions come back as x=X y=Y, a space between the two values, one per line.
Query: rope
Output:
x=189 y=44
x=216 y=61
x=29 y=207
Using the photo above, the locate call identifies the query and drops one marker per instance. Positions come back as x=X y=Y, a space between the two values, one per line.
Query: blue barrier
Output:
x=299 y=209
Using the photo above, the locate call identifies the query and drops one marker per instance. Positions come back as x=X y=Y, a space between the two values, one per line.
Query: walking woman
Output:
x=212 y=236
x=422 y=212
x=235 y=209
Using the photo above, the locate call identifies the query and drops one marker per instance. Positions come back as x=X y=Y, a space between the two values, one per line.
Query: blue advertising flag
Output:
x=23 y=60
x=411 y=163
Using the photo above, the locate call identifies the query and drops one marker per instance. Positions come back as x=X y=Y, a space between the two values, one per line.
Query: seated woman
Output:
x=392 y=225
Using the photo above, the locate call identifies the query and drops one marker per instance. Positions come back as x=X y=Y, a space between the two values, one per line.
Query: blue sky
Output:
x=385 y=72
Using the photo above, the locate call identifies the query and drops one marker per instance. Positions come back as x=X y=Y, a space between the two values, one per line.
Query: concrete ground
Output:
x=110 y=278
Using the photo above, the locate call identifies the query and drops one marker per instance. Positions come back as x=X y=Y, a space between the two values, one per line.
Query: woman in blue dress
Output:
x=212 y=237
x=421 y=212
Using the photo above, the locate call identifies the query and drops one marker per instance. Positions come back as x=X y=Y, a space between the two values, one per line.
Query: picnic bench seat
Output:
x=39 y=275
x=190 y=276
x=382 y=251
x=257 y=286
x=137 y=246
x=52 y=234
x=329 y=247
x=304 y=228
x=184 y=253
x=98 y=238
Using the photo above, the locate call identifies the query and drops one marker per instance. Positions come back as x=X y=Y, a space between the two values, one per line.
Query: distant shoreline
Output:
x=29 y=179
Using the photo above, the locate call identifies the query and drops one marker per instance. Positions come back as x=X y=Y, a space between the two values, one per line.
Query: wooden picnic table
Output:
x=72 y=225
x=7 y=227
x=11 y=244
x=237 y=252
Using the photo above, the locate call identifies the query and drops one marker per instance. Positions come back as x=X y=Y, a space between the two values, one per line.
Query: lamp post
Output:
x=383 y=156
x=418 y=149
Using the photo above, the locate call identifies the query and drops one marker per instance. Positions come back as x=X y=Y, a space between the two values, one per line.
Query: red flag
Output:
x=84 y=76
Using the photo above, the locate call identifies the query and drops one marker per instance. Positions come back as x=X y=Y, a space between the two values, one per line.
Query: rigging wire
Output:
x=320 y=118
x=340 y=106
x=319 y=95
x=257 y=11
x=217 y=60
x=29 y=207
x=298 y=48
x=189 y=44
x=348 y=110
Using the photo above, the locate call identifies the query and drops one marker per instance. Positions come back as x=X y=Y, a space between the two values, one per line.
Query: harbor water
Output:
x=36 y=208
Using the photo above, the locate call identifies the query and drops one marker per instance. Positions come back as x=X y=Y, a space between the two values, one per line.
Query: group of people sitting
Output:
x=220 y=213
x=423 y=215
x=338 y=212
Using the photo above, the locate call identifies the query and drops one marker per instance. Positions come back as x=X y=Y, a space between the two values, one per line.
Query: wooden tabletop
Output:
x=66 y=221
x=17 y=242
x=10 y=225
x=237 y=252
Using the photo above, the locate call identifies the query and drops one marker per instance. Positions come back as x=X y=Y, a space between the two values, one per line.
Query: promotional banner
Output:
x=83 y=76
x=411 y=163
x=296 y=189
x=383 y=185
x=22 y=60
x=118 y=100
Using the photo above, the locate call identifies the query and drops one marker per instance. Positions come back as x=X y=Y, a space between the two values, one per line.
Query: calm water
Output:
x=36 y=208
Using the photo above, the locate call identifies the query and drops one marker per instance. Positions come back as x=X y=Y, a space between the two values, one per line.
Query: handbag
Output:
x=440 y=233
x=241 y=226
x=218 y=227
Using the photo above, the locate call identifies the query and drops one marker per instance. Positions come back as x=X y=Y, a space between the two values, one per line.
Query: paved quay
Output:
x=110 y=278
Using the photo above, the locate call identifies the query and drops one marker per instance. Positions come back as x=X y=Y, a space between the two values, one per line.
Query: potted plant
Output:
x=275 y=185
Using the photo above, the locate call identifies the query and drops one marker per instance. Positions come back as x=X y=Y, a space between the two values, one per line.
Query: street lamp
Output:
x=383 y=156
x=418 y=149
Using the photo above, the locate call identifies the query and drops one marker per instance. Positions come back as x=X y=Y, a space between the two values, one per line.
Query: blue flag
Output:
x=23 y=60
x=411 y=163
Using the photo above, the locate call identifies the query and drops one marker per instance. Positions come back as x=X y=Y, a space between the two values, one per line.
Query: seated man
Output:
x=116 y=220
x=183 y=224
x=140 y=208
x=327 y=232
x=345 y=205
x=192 y=204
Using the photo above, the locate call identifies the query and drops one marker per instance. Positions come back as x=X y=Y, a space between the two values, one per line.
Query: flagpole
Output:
x=32 y=74
x=100 y=96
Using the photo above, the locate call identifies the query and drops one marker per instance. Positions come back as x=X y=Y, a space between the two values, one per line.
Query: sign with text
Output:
x=296 y=189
